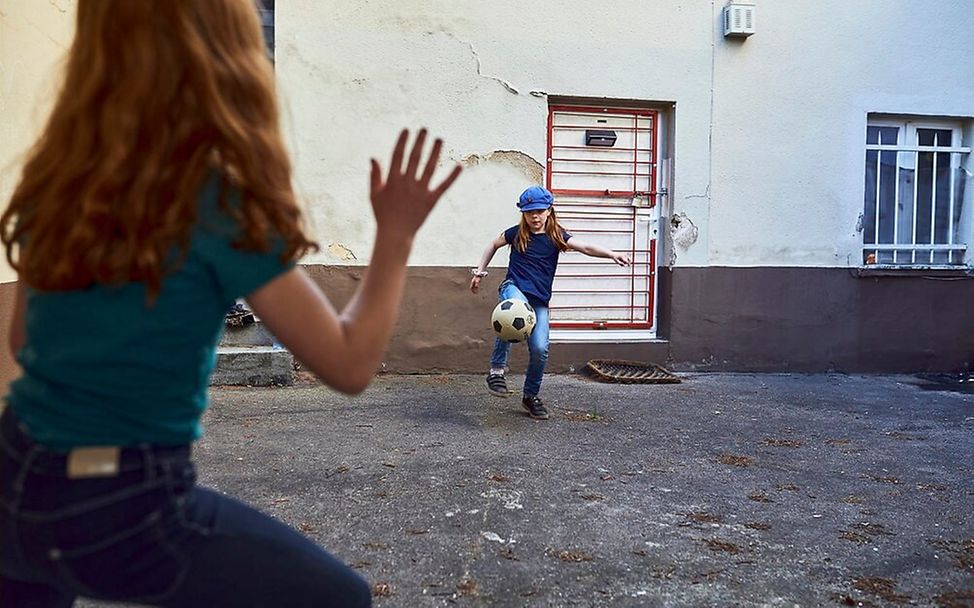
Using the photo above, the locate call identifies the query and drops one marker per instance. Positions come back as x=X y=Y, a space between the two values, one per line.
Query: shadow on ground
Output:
x=725 y=490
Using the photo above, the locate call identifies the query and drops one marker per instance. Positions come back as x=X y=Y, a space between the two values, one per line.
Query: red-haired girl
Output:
x=158 y=193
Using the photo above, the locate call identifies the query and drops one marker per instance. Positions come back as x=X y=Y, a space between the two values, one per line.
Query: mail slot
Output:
x=600 y=138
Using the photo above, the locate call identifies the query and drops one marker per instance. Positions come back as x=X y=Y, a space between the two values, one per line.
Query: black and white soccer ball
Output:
x=513 y=320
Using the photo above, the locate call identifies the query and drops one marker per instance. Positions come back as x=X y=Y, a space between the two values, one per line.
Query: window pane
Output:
x=887 y=190
x=881 y=135
x=904 y=221
x=941 y=214
x=961 y=180
x=886 y=202
x=934 y=137
x=869 y=208
x=924 y=196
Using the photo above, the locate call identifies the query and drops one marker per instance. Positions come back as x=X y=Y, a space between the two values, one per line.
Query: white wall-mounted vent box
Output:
x=738 y=20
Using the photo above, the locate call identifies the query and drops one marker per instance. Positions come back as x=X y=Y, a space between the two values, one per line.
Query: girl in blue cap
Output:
x=536 y=243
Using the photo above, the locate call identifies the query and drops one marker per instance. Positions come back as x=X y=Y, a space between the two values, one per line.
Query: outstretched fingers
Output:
x=403 y=197
x=431 y=163
x=376 y=176
x=396 y=167
x=416 y=154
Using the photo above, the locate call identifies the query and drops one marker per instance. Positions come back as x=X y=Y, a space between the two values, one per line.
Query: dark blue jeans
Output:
x=148 y=535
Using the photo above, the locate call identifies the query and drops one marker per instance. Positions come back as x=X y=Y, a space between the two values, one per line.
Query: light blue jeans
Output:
x=537 y=342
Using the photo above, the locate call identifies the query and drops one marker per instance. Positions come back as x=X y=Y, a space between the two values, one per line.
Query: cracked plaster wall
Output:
x=767 y=136
x=776 y=181
x=34 y=37
x=352 y=74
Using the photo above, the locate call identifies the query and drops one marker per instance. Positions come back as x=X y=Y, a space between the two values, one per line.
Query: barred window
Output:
x=917 y=174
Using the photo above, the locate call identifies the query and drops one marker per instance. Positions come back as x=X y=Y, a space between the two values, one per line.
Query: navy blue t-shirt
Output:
x=534 y=270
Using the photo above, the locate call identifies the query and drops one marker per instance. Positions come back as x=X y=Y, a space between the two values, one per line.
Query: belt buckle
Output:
x=99 y=461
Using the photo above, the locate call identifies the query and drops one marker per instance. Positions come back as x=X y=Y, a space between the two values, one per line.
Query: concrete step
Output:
x=255 y=334
x=258 y=365
x=248 y=355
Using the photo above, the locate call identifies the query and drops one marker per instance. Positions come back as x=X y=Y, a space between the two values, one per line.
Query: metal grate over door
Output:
x=602 y=170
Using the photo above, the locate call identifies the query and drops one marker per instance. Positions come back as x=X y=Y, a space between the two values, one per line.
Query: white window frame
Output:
x=899 y=254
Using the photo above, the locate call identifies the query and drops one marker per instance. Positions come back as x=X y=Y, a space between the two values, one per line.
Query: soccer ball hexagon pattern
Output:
x=513 y=320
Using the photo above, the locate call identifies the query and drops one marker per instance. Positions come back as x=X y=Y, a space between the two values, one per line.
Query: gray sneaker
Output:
x=497 y=385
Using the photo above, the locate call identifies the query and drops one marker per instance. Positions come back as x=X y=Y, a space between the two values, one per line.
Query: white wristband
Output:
x=478 y=273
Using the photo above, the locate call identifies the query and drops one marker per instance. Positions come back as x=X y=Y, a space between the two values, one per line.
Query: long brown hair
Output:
x=552 y=228
x=155 y=96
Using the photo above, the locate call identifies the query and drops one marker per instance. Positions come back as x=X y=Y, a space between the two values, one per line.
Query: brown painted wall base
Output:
x=8 y=367
x=733 y=319
x=445 y=328
x=717 y=318
x=819 y=319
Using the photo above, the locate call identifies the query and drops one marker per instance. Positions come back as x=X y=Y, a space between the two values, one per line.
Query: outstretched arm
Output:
x=344 y=349
x=485 y=260
x=598 y=251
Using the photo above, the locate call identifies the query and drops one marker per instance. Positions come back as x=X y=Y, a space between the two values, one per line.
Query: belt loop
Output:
x=22 y=475
x=148 y=461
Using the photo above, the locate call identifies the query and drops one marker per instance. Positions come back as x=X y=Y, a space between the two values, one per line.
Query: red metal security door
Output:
x=602 y=170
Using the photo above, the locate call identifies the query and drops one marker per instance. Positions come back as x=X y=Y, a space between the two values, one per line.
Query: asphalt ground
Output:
x=723 y=490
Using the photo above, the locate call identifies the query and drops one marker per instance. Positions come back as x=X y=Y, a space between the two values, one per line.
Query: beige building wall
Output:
x=480 y=75
x=34 y=37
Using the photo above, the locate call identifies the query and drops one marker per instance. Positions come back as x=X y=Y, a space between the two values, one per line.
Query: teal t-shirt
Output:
x=101 y=367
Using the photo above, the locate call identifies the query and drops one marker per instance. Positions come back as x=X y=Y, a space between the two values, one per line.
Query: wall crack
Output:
x=473 y=51
x=521 y=161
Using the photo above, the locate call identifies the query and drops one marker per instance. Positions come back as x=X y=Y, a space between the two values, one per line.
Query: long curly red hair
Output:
x=156 y=95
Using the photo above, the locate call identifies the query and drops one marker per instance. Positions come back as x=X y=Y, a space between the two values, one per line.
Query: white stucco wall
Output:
x=34 y=37
x=790 y=114
x=777 y=181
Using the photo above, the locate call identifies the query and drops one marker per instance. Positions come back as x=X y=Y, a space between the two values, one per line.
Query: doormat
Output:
x=621 y=371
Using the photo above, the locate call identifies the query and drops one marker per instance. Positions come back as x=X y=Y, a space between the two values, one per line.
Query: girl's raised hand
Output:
x=622 y=259
x=405 y=198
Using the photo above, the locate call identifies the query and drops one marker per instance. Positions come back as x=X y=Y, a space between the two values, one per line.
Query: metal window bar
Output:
x=606 y=173
x=933 y=195
x=600 y=161
x=896 y=201
x=640 y=123
x=916 y=186
x=603 y=151
x=879 y=196
x=919 y=246
x=581 y=127
x=950 y=209
x=898 y=148
x=632 y=265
